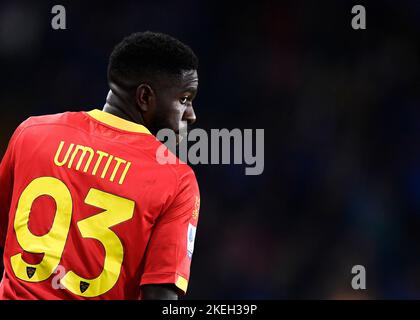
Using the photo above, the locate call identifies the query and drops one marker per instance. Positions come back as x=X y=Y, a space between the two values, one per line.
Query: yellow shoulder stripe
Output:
x=117 y=122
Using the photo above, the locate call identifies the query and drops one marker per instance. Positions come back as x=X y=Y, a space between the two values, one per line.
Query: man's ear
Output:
x=145 y=97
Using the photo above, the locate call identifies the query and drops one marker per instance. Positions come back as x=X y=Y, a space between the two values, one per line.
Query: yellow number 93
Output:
x=51 y=244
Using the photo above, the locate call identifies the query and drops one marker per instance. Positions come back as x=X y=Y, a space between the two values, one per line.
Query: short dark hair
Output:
x=147 y=54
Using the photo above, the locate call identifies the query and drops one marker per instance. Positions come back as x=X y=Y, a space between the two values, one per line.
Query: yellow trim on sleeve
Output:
x=117 y=122
x=182 y=283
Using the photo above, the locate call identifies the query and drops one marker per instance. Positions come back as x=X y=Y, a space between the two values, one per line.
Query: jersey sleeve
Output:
x=170 y=249
x=6 y=185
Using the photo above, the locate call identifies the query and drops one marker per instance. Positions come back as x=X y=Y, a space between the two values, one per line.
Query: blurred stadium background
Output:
x=341 y=114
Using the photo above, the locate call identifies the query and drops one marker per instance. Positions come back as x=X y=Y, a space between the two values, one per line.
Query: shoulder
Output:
x=32 y=125
x=65 y=117
x=187 y=182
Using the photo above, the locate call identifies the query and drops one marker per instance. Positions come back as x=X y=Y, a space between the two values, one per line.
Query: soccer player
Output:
x=86 y=210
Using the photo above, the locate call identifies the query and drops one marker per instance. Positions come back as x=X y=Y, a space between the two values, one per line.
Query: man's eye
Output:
x=184 y=100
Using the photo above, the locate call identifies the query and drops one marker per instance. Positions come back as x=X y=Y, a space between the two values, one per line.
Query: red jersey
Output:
x=87 y=210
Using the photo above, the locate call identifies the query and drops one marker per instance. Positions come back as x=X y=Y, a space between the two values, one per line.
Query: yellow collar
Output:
x=117 y=122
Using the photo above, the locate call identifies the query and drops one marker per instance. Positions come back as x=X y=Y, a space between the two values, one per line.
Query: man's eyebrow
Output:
x=190 y=89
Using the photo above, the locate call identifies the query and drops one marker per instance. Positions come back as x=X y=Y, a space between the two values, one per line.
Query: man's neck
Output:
x=118 y=103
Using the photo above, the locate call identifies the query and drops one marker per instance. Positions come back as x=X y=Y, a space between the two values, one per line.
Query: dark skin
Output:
x=166 y=102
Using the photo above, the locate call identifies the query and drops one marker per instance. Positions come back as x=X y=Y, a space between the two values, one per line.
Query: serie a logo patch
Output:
x=190 y=239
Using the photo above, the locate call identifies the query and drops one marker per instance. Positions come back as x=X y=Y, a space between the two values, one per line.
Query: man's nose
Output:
x=189 y=115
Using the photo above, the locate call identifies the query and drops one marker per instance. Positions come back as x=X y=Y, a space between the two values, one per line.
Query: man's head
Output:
x=160 y=75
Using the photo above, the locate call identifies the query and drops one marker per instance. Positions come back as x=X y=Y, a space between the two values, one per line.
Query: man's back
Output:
x=84 y=200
